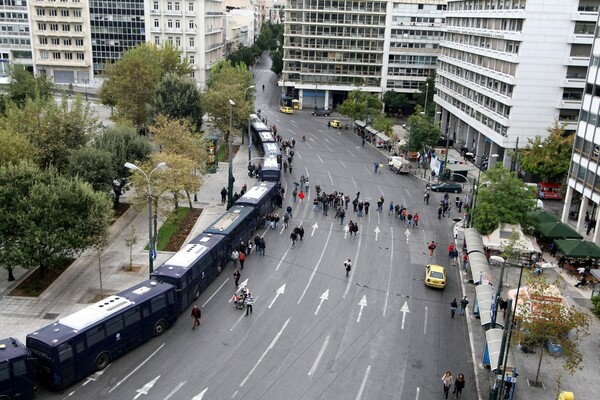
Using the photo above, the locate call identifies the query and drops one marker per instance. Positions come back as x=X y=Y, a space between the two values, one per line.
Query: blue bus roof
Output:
x=11 y=348
x=259 y=126
x=271 y=163
x=266 y=137
x=271 y=149
x=69 y=326
x=257 y=192
x=188 y=255
x=228 y=221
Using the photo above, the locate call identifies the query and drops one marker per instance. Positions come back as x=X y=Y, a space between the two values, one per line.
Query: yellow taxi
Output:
x=286 y=110
x=435 y=276
x=334 y=123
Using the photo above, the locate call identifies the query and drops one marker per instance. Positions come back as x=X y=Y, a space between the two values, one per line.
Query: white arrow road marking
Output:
x=318 y=263
x=378 y=215
x=364 y=383
x=314 y=228
x=279 y=291
x=327 y=140
x=346 y=229
x=200 y=395
x=418 y=393
x=320 y=159
x=330 y=178
x=167 y=397
x=144 y=389
x=216 y=291
x=140 y=365
x=275 y=339
x=92 y=378
x=404 y=310
x=376 y=232
x=367 y=169
x=306 y=169
x=316 y=363
x=323 y=297
x=244 y=283
x=407 y=233
x=362 y=303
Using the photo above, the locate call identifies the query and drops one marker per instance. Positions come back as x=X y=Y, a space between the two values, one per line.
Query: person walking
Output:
x=391 y=208
x=376 y=165
x=294 y=237
x=367 y=205
x=235 y=255
x=301 y=196
x=431 y=248
x=453 y=306
x=223 y=195
x=465 y=261
x=295 y=194
x=301 y=232
x=360 y=209
x=459 y=385
x=261 y=246
x=286 y=220
x=380 y=167
x=236 y=277
x=342 y=216
x=447 y=381
x=348 y=266
x=249 y=303
x=463 y=305
x=242 y=258
x=440 y=210
x=354 y=229
x=450 y=249
x=196 y=314
x=426 y=197
x=289 y=210
x=416 y=220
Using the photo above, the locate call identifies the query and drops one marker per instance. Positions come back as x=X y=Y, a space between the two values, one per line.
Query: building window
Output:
x=52 y=13
x=78 y=28
x=170 y=6
x=77 y=13
x=177 y=24
x=169 y=23
x=43 y=40
x=155 y=6
x=178 y=41
x=44 y=55
x=64 y=13
x=66 y=28
x=53 y=27
x=191 y=42
x=80 y=56
x=68 y=56
x=170 y=39
x=79 y=42
x=41 y=26
x=40 y=12
x=192 y=59
x=191 y=24
x=157 y=40
x=67 y=42
x=190 y=6
x=156 y=23
x=55 y=41
x=56 y=55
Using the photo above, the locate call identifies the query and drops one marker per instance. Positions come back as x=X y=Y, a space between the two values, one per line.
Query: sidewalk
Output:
x=79 y=284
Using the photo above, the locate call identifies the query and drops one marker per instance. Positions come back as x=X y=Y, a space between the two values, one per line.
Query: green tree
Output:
x=361 y=104
x=501 y=198
x=93 y=166
x=15 y=147
x=179 y=137
x=131 y=82
x=243 y=54
x=24 y=86
x=125 y=145
x=542 y=316
x=549 y=158
x=276 y=62
x=384 y=124
x=424 y=133
x=45 y=219
x=130 y=241
x=394 y=102
x=177 y=96
x=427 y=91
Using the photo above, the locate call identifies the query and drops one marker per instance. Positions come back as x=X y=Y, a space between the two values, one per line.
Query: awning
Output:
x=493 y=343
x=557 y=230
x=485 y=298
x=579 y=248
x=540 y=216
x=480 y=269
x=473 y=239
x=383 y=137
x=360 y=124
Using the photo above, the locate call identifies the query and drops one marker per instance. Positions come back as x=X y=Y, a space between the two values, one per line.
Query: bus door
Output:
x=67 y=361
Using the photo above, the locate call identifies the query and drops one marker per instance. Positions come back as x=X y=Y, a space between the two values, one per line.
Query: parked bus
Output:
x=194 y=267
x=88 y=340
x=263 y=197
x=272 y=150
x=550 y=191
x=238 y=224
x=17 y=371
x=261 y=133
x=271 y=170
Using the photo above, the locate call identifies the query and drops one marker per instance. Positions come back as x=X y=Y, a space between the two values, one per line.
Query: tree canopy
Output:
x=426 y=92
x=177 y=96
x=501 y=198
x=132 y=80
x=45 y=219
x=24 y=86
x=549 y=158
x=424 y=132
x=361 y=104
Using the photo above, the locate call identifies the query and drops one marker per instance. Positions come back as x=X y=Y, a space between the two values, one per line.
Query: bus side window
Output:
x=132 y=316
x=79 y=347
x=19 y=368
x=95 y=335
x=171 y=297
x=158 y=303
x=4 y=372
x=65 y=351
x=115 y=325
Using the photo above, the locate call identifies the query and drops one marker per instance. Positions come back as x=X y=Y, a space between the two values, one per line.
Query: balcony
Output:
x=577 y=61
x=585 y=16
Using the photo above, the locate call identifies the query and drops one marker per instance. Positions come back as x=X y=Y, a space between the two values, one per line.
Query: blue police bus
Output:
x=194 y=267
x=261 y=134
x=17 y=370
x=237 y=224
x=272 y=150
x=271 y=170
x=263 y=197
x=88 y=340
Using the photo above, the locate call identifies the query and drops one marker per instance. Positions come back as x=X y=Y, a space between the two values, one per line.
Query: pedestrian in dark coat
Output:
x=293 y=236
x=196 y=314
x=366 y=205
x=348 y=266
x=223 y=195
x=453 y=306
x=236 y=277
x=262 y=246
x=463 y=305
x=459 y=385
x=249 y=303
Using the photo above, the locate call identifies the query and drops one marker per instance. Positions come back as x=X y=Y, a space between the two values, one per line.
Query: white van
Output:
x=398 y=164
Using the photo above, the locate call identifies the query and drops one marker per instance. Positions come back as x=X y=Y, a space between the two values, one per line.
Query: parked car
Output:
x=449 y=187
x=398 y=164
x=286 y=110
x=435 y=276
x=321 y=113
x=442 y=142
x=335 y=124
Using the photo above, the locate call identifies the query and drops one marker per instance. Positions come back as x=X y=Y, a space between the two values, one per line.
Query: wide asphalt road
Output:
x=315 y=333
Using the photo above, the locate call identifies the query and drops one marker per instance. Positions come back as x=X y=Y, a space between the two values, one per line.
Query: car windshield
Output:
x=436 y=275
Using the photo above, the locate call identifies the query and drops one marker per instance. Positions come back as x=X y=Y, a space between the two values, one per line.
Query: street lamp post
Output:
x=230 y=185
x=246 y=91
x=151 y=245
x=426 y=96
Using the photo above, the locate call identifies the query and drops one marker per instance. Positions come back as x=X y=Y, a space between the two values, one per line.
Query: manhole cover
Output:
x=51 y=316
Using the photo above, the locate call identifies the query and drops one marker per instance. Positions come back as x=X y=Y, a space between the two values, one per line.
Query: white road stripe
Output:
x=136 y=368
x=321 y=159
x=354 y=264
x=387 y=293
x=241 y=317
x=318 y=263
x=364 y=383
x=316 y=363
x=330 y=178
x=344 y=165
x=216 y=291
x=167 y=397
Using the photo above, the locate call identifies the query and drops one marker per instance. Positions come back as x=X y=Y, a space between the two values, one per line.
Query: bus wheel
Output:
x=102 y=361
x=160 y=328
x=197 y=292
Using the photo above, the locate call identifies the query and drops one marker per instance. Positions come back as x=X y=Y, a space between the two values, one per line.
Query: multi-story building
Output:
x=239 y=24
x=583 y=179
x=196 y=28
x=15 y=41
x=509 y=68
x=333 y=47
x=60 y=34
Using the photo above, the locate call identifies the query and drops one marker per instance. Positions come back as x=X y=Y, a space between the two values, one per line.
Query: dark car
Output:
x=321 y=113
x=442 y=142
x=449 y=187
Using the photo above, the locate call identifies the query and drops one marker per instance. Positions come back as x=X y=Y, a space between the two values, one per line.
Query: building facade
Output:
x=583 y=180
x=334 y=47
x=509 y=68
x=15 y=40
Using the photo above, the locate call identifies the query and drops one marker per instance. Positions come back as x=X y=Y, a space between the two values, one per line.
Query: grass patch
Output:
x=170 y=226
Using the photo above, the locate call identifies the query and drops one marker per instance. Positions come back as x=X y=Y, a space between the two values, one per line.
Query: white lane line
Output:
x=136 y=368
x=353 y=181
x=355 y=263
x=418 y=393
x=282 y=258
x=275 y=339
x=343 y=165
x=350 y=153
x=425 y=322
x=317 y=265
x=364 y=383
x=316 y=363
x=234 y=394
x=241 y=317
x=167 y=397
x=309 y=146
x=380 y=190
x=306 y=169
x=216 y=291
x=330 y=178
x=328 y=148
x=367 y=169
x=297 y=153
x=387 y=292
x=335 y=140
x=321 y=159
